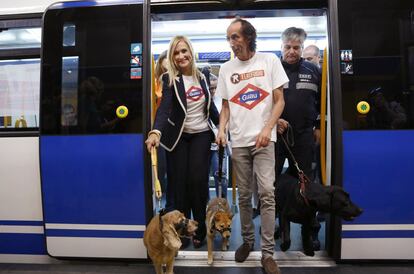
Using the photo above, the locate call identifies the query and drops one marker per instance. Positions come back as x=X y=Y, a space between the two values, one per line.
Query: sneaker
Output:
x=243 y=252
x=269 y=265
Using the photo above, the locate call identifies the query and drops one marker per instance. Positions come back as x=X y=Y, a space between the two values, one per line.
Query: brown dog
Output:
x=162 y=238
x=218 y=219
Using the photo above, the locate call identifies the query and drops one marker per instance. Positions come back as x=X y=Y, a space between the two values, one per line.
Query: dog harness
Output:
x=219 y=208
x=181 y=225
x=224 y=229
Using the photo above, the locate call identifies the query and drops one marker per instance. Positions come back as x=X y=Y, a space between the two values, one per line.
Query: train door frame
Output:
x=335 y=113
x=334 y=249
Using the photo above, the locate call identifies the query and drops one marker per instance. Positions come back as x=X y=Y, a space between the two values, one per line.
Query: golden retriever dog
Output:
x=218 y=219
x=162 y=238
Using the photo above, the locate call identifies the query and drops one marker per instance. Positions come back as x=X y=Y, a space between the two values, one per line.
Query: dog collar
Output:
x=221 y=231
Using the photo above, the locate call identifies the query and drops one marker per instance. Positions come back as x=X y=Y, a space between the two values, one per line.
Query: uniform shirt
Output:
x=302 y=96
x=248 y=87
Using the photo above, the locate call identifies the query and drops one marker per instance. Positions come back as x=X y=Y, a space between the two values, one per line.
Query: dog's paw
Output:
x=285 y=245
x=316 y=245
x=224 y=247
x=210 y=261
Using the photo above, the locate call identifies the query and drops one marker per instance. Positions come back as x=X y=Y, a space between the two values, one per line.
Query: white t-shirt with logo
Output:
x=248 y=86
x=196 y=120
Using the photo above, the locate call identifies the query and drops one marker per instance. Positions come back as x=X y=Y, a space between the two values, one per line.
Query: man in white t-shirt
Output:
x=251 y=86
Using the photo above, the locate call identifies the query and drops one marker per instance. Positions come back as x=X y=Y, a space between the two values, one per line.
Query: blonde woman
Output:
x=160 y=69
x=183 y=127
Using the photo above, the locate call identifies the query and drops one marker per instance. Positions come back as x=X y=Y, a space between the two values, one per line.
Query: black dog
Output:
x=291 y=207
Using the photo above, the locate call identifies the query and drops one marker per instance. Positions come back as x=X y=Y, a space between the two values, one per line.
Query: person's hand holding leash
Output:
x=221 y=139
x=282 y=125
x=152 y=140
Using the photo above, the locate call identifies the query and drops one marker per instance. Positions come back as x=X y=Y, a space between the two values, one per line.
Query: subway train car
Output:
x=75 y=178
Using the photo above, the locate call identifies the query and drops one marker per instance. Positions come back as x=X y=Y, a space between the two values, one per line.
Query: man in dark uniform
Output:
x=302 y=107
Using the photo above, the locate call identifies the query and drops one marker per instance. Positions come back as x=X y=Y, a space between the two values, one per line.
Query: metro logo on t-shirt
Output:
x=194 y=93
x=249 y=96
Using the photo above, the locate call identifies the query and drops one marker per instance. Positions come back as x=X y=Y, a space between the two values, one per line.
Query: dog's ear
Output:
x=171 y=238
x=318 y=196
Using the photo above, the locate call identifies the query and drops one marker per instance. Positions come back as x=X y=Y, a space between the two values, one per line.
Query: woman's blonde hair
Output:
x=173 y=70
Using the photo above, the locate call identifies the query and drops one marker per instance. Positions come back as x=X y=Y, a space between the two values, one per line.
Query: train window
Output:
x=19 y=74
x=87 y=70
x=379 y=65
x=19 y=94
x=69 y=104
x=20 y=38
x=69 y=38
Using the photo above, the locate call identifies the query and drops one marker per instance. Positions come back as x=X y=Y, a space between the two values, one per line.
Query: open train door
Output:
x=91 y=149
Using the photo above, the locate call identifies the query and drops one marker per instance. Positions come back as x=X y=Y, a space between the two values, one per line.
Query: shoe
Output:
x=243 y=252
x=197 y=243
x=269 y=265
x=320 y=217
x=185 y=242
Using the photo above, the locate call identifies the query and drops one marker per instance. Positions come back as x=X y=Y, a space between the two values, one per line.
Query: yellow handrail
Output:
x=323 y=115
x=153 y=87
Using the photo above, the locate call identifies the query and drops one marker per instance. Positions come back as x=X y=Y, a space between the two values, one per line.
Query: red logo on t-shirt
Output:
x=249 y=96
x=235 y=78
x=194 y=93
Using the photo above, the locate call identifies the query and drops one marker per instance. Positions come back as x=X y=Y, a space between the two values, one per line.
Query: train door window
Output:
x=90 y=65
x=19 y=74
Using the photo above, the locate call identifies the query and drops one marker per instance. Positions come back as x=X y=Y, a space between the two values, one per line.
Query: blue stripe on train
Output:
x=378 y=174
x=21 y=223
x=22 y=243
x=96 y=179
x=93 y=233
x=378 y=234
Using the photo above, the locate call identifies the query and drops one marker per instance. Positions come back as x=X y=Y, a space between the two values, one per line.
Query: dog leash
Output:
x=303 y=179
x=157 y=184
x=220 y=170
